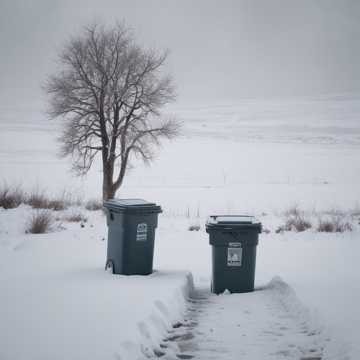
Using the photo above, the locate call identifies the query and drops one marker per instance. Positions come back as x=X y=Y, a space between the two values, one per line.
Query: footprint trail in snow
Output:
x=269 y=323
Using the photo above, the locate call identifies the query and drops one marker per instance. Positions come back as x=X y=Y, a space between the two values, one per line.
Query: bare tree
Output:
x=109 y=91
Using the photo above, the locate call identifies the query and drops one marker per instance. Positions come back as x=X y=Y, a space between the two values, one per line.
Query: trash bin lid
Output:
x=232 y=221
x=132 y=205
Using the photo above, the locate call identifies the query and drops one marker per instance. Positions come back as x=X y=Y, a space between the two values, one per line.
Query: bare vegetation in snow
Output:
x=76 y=217
x=40 y=223
x=39 y=199
x=334 y=224
x=11 y=197
x=295 y=220
x=93 y=205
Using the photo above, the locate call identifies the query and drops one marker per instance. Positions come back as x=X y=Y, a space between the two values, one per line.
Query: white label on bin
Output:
x=234 y=256
x=141 y=233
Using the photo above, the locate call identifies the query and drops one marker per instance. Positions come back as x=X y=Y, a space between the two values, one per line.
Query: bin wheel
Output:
x=109 y=267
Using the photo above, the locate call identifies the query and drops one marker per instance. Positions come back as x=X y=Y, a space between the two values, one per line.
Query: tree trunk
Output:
x=108 y=193
x=109 y=189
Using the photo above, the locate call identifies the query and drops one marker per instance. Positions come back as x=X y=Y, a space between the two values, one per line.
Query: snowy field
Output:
x=269 y=154
x=256 y=157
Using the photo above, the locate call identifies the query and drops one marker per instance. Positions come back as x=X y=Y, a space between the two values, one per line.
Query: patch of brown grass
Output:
x=40 y=200
x=76 y=217
x=334 y=224
x=11 y=197
x=40 y=223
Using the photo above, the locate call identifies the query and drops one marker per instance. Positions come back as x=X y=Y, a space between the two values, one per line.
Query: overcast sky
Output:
x=220 y=50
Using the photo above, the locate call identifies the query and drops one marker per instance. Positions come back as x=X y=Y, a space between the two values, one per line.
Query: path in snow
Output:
x=269 y=323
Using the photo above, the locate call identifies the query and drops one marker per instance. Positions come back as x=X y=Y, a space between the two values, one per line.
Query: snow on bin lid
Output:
x=129 y=202
x=131 y=205
x=232 y=222
x=242 y=219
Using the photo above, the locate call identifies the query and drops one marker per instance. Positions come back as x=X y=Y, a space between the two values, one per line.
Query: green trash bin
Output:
x=234 y=240
x=131 y=234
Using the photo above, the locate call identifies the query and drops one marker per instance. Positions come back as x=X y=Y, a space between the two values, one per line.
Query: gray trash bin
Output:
x=234 y=240
x=131 y=234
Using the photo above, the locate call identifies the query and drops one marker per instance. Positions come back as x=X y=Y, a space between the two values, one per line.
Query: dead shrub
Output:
x=57 y=204
x=76 y=217
x=41 y=222
x=334 y=224
x=11 y=197
x=63 y=201
x=325 y=226
x=345 y=226
x=93 y=205
x=38 y=200
x=295 y=221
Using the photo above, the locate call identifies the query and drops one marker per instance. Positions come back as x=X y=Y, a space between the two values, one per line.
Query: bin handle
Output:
x=109 y=266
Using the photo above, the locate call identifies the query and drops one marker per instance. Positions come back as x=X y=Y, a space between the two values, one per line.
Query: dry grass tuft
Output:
x=295 y=220
x=334 y=224
x=297 y=223
x=76 y=217
x=58 y=204
x=40 y=223
x=325 y=226
x=331 y=221
x=40 y=200
x=11 y=197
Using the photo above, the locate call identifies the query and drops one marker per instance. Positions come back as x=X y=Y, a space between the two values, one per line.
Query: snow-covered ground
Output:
x=57 y=302
x=269 y=323
x=251 y=157
x=321 y=268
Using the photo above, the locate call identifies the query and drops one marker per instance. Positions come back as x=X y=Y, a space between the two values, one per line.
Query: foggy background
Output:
x=220 y=50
